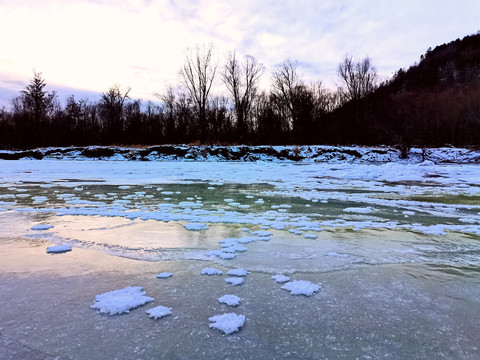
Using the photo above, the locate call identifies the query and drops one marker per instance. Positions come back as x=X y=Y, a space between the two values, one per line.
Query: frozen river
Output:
x=395 y=249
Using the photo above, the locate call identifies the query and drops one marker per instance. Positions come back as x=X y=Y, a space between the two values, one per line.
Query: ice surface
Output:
x=280 y=278
x=234 y=280
x=164 y=275
x=230 y=300
x=158 y=312
x=58 y=249
x=121 y=301
x=196 y=227
x=41 y=227
x=228 y=323
x=211 y=271
x=301 y=287
x=237 y=272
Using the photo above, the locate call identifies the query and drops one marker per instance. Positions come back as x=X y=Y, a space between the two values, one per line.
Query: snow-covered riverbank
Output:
x=357 y=154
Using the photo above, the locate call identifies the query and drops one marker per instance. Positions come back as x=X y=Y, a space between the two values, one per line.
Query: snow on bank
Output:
x=316 y=153
x=228 y=323
x=121 y=301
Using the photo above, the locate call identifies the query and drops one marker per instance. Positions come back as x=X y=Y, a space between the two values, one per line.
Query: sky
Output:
x=83 y=47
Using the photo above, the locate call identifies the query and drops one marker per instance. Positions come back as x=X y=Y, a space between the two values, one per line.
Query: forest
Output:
x=434 y=102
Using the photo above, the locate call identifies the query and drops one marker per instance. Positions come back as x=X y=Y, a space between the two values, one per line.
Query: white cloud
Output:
x=93 y=44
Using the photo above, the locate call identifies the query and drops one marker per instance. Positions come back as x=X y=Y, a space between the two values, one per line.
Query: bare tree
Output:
x=359 y=78
x=241 y=80
x=197 y=75
x=285 y=80
x=112 y=104
x=291 y=94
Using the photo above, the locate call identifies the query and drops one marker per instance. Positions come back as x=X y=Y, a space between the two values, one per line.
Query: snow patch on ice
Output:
x=228 y=323
x=196 y=227
x=301 y=287
x=230 y=300
x=164 y=275
x=159 y=311
x=261 y=233
x=121 y=301
x=58 y=249
x=280 y=278
x=359 y=210
x=41 y=227
x=211 y=271
x=237 y=272
x=234 y=280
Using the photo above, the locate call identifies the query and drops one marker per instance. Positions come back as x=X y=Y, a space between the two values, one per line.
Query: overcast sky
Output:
x=85 y=46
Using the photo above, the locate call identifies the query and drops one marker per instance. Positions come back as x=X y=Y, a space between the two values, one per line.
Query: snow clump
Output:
x=228 y=323
x=196 y=227
x=58 y=249
x=158 y=312
x=164 y=275
x=234 y=280
x=237 y=272
x=280 y=278
x=41 y=227
x=121 y=301
x=301 y=287
x=211 y=271
x=230 y=300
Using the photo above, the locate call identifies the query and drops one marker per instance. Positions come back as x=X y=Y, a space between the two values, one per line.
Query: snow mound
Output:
x=121 y=301
x=237 y=272
x=164 y=275
x=211 y=271
x=41 y=227
x=234 y=280
x=58 y=249
x=196 y=227
x=280 y=278
x=228 y=323
x=230 y=300
x=310 y=236
x=301 y=287
x=158 y=312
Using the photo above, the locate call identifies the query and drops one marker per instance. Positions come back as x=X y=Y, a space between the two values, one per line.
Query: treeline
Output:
x=434 y=102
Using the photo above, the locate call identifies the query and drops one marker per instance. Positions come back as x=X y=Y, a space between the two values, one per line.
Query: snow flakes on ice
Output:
x=211 y=271
x=301 y=287
x=121 y=301
x=228 y=323
x=230 y=300
x=158 y=312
